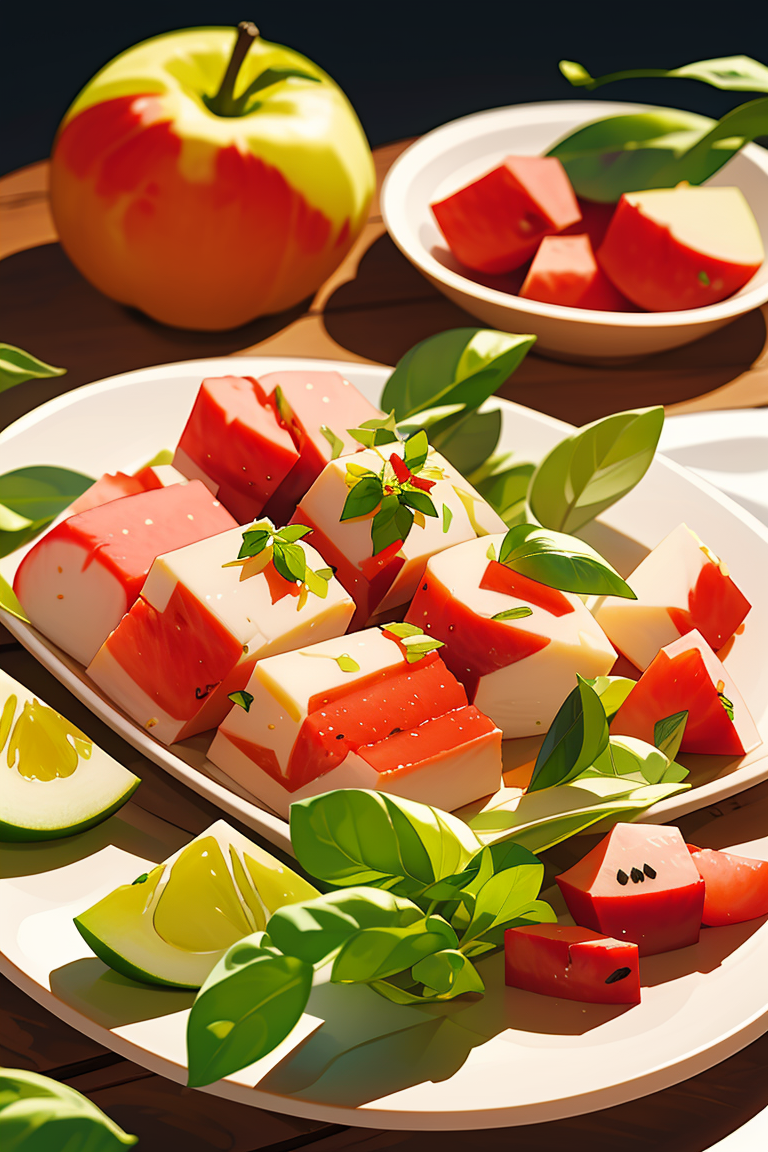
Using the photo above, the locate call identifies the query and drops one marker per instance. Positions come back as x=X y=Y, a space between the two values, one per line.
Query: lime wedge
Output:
x=53 y=780
x=174 y=923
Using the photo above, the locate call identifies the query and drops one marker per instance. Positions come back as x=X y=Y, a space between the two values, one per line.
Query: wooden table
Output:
x=371 y=310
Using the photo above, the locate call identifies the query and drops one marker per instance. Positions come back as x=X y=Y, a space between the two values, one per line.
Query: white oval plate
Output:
x=443 y=160
x=509 y=1058
x=121 y=422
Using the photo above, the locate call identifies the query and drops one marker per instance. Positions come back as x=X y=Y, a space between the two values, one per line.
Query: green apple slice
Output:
x=54 y=781
x=173 y=924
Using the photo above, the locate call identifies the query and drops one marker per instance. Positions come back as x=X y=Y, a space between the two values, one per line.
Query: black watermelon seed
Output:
x=423 y=587
x=340 y=736
x=637 y=876
x=650 y=872
x=619 y=974
x=622 y=877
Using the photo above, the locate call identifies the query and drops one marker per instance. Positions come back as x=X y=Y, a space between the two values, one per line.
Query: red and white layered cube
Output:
x=518 y=671
x=80 y=579
x=235 y=444
x=382 y=584
x=680 y=585
x=317 y=408
x=197 y=630
x=353 y=713
x=687 y=676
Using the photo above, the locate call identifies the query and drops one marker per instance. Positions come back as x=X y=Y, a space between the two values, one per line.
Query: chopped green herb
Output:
x=491 y=553
x=402 y=629
x=513 y=613
x=727 y=704
x=336 y=443
x=242 y=698
x=447 y=517
x=141 y=879
x=704 y=279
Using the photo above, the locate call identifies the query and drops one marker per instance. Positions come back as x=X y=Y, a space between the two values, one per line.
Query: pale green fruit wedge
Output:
x=53 y=780
x=172 y=925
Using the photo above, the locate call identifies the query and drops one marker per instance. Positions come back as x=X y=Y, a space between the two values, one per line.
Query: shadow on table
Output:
x=50 y=309
x=110 y=999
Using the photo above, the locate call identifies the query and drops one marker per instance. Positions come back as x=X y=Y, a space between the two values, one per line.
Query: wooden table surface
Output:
x=371 y=310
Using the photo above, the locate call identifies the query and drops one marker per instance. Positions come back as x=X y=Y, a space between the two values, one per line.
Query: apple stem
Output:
x=223 y=103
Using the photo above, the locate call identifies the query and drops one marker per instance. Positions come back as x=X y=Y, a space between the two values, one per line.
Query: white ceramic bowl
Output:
x=449 y=157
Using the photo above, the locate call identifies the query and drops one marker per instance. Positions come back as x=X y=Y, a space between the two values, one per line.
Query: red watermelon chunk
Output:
x=639 y=884
x=687 y=675
x=735 y=887
x=572 y=964
x=496 y=223
x=564 y=271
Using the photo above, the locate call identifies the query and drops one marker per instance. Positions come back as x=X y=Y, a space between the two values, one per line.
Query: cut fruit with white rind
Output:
x=53 y=780
x=172 y=928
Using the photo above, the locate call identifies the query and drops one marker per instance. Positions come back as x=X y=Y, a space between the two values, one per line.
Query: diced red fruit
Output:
x=399 y=698
x=474 y=645
x=496 y=223
x=235 y=440
x=595 y=218
x=666 y=254
x=716 y=607
x=564 y=271
x=409 y=751
x=638 y=884
x=107 y=487
x=499 y=578
x=572 y=964
x=735 y=887
x=306 y=402
x=676 y=683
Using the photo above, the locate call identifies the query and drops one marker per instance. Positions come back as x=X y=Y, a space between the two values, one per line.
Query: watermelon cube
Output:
x=640 y=885
x=572 y=963
x=496 y=223
x=680 y=585
x=519 y=670
x=235 y=444
x=198 y=628
x=564 y=271
x=687 y=675
x=80 y=579
x=735 y=887
x=354 y=713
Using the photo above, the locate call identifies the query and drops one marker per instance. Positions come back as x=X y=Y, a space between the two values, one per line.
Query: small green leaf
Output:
x=589 y=471
x=732 y=73
x=313 y=929
x=449 y=973
x=18 y=366
x=292 y=532
x=347 y=664
x=491 y=552
x=242 y=698
x=261 y=993
x=336 y=443
x=393 y=522
x=463 y=365
x=38 y=1114
x=668 y=733
x=727 y=704
x=416 y=649
x=415 y=451
x=576 y=74
x=255 y=540
x=560 y=561
x=372 y=433
x=316 y=583
x=375 y=953
x=421 y=501
x=577 y=736
x=613 y=691
x=402 y=629
x=506 y=896
x=363 y=498
x=289 y=561
x=447 y=517
x=324 y=573
x=518 y=613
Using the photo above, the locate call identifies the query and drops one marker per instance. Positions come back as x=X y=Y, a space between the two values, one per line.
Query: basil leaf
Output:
x=613 y=691
x=36 y=495
x=668 y=733
x=292 y=532
x=41 y=1115
x=289 y=561
x=363 y=498
x=577 y=736
x=414 y=652
x=254 y=542
x=448 y=974
x=467 y=439
x=347 y=664
x=589 y=471
x=505 y=895
x=317 y=584
x=336 y=443
x=18 y=366
x=415 y=451
x=506 y=491
x=375 y=953
x=560 y=561
x=463 y=365
x=9 y=602
x=354 y=836
x=393 y=522
x=447 y=518
x=398 y=629
x=242 y=698
x=421 y=501
x=518 y=613
x=732 y=73
x=247 y=1006
x=313 y=929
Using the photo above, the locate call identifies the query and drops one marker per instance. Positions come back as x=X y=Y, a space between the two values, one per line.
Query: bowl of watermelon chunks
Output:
x=610 y=231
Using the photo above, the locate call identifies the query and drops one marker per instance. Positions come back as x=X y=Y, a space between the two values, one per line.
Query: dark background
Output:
x=406 y=66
